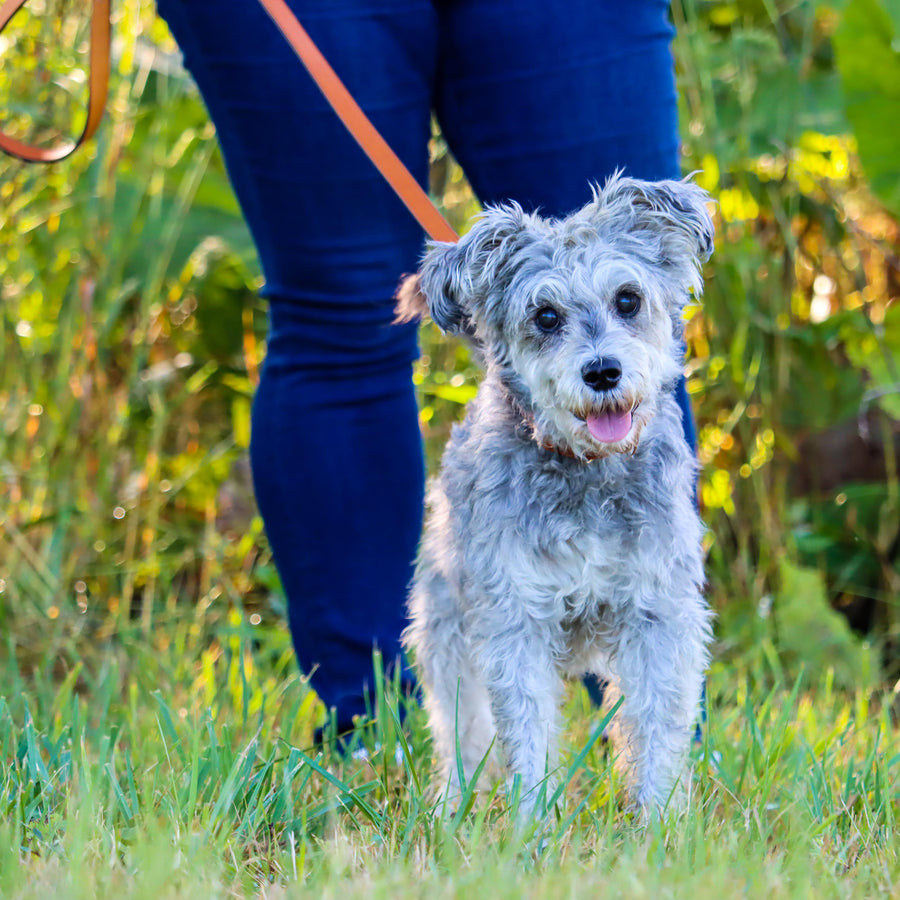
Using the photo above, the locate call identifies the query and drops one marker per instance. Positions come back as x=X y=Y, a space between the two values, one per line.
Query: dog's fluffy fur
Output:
x=548 y=552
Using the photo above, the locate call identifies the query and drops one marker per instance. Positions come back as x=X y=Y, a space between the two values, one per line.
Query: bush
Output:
x=132 y=336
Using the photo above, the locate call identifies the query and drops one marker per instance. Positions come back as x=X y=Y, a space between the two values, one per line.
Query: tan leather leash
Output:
x=367 y=136
x=98 y=80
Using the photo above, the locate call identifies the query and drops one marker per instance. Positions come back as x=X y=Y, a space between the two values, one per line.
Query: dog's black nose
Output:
x=602 y=374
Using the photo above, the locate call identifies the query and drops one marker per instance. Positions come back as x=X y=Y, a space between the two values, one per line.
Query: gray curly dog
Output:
x=562 y=535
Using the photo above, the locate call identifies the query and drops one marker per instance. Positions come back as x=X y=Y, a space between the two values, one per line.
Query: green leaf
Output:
x=814 y=636
x=868 y=58
x=876 y=350
x=461 y=394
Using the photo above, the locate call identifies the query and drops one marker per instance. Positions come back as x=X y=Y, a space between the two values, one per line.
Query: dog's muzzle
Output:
x=609 y=424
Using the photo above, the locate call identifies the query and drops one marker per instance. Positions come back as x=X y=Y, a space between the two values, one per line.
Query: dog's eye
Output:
x=547 y=319
x=628 y=303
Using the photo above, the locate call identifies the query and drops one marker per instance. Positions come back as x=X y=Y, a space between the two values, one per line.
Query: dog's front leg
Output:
x=517 y=665
x=659 y=664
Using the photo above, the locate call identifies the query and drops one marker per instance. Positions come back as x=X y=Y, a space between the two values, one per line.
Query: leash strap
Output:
x=98 y=80
x=364 y=132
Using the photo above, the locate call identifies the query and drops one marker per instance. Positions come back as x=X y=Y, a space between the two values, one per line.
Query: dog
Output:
x=562 y=535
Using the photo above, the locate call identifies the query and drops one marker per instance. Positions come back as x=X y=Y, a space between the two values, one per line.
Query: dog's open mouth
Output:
x=609 y=426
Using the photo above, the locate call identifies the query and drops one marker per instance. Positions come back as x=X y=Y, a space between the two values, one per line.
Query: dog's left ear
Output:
x=675 y=209
x=673 y=212
x=679 y=207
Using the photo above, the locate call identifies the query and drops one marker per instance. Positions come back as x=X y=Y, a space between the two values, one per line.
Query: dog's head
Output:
x=581 y=317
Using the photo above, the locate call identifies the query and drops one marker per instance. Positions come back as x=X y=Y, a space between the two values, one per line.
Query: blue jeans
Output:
x=536 y=99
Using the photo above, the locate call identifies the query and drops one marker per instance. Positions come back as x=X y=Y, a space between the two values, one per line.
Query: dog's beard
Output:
x=568 y=416
x=593 y=432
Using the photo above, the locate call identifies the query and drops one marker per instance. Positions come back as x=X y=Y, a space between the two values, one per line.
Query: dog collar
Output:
x=567 y=451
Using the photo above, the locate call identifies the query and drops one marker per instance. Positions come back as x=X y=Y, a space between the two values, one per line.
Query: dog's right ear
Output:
x=456 y=277
x=435 y=290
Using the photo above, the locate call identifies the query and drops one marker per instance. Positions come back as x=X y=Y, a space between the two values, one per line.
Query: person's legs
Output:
x=336 y=452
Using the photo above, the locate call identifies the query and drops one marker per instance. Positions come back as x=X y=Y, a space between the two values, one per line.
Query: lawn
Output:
x=183 y=766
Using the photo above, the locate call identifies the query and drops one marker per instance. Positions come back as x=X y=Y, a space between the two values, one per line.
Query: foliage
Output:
x=867 y=57
x=126 y=409
x=132 y=332
x=794 y=357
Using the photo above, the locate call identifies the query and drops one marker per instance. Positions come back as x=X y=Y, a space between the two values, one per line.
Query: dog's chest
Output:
x=582 y=570
x=566 y=549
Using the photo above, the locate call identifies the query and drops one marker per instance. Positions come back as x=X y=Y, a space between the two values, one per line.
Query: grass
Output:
x=184 y=766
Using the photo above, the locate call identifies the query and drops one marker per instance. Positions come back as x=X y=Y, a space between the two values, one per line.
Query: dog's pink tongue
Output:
x=609 y=427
